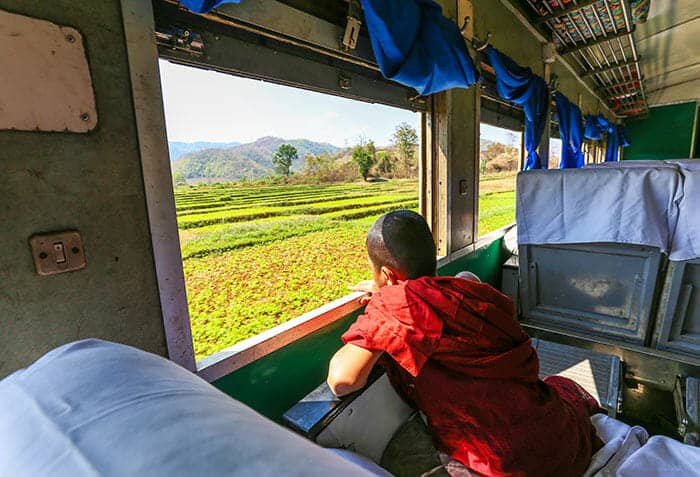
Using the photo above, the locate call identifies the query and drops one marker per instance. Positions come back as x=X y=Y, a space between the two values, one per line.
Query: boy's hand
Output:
x=367 y=286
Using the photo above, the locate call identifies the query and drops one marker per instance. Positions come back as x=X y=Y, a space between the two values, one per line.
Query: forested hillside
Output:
x=245 y=161
x=178 y=149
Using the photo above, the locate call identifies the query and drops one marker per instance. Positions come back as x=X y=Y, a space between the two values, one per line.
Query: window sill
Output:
x=241 y=354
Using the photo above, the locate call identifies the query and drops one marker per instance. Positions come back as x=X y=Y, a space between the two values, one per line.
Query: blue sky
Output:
x=204 y=105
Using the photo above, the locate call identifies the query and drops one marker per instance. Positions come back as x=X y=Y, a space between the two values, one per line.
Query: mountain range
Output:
x=251 y=160
x=178 y=149
x=230 y=161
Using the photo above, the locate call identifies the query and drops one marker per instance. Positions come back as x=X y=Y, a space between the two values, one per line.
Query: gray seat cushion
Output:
x=96 y=408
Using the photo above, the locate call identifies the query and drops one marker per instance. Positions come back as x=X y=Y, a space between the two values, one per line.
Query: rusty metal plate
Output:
x=46 y=78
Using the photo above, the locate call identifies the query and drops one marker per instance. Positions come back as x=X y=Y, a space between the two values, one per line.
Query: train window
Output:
x=499 y=162
x=554 y=153
x=275 y=188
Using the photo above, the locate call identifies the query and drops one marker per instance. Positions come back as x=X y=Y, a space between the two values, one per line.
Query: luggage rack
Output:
x=597 y=35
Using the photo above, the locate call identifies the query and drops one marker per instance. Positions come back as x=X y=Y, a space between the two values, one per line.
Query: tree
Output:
x=179 y=178
x=371 y=150
x=405 y=139
x=283 y=159
x=385 y=162
x=363 y=159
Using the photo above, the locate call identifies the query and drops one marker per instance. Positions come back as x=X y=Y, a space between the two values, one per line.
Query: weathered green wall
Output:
x=88 y=182
x=485 y=262
x=666 y=133
x=272 y=384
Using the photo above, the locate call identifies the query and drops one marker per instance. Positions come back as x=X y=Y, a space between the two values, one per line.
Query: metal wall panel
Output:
x=244 y=52
x=678 y=326
x=599 y=289
x=91 y=183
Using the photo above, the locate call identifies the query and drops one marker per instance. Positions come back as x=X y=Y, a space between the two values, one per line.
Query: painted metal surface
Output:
x=666 y=133
x=273 y=383
x=598 y=289
x=116 y=296
x=245 y=50
x=678 y=321
x=668 y=47
x=286 y=23
x=46 y=78
x=158 y=182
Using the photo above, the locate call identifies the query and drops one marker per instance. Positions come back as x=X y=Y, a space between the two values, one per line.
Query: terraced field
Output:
x=257 y=256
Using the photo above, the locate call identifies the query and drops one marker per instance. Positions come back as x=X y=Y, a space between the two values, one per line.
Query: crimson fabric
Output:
x=456 y=352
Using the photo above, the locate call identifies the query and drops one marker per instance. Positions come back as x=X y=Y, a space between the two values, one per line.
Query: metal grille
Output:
x=597 y=36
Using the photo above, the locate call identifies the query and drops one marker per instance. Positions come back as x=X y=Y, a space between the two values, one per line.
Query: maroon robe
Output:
x=459 y=355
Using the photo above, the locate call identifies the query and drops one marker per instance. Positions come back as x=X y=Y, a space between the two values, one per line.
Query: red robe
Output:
x=460 y=357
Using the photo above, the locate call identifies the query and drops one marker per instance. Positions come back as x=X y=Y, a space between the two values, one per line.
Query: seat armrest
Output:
x=318 y=408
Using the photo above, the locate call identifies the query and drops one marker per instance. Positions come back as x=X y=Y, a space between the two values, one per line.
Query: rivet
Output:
x=70 y=38
x=84 y=116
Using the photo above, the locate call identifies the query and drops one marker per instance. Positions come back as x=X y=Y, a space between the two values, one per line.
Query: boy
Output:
x=456 y=353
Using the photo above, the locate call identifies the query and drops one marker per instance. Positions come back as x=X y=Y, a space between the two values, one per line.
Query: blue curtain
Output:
x=415 y=45
x=204 y=6
x=595 y=126
x=617 y=135
x=523 y=87
x=571 y=131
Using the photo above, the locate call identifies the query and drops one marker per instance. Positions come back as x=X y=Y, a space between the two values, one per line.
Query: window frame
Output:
x=143 y=55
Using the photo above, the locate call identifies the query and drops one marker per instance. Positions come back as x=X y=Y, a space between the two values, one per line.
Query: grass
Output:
x=261 y=286
x=496 y=210
x=257 y=256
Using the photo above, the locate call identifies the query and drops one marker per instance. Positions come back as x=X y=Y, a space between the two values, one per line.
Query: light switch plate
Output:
x=58 y=252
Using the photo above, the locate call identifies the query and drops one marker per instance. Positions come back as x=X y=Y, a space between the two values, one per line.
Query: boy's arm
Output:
x=349 y=369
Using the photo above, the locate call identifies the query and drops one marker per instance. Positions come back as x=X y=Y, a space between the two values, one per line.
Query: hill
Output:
x=252 y=160
x=178 y=149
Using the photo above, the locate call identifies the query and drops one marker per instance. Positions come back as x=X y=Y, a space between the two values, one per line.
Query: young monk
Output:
x=453 y=349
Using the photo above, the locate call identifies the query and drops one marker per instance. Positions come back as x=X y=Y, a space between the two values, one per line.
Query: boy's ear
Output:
x=392 y=276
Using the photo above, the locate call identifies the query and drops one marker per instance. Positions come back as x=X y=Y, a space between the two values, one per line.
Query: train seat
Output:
x=624 y=267
x=97 y=408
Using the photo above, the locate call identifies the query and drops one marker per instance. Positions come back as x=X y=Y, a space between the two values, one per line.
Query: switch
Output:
x=463 y=187
x=59 y=252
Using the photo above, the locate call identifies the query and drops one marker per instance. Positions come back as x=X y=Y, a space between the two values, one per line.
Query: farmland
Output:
x=256 y=256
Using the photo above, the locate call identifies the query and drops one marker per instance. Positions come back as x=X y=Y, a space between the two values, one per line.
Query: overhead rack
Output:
x=597 y=36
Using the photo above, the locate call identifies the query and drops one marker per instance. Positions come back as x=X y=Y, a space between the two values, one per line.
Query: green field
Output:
x=257 y=256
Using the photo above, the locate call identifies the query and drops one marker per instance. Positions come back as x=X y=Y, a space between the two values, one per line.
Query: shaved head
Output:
x=401 y=240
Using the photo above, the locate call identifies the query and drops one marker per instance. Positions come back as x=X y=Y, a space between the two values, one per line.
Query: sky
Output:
x=204 y=105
